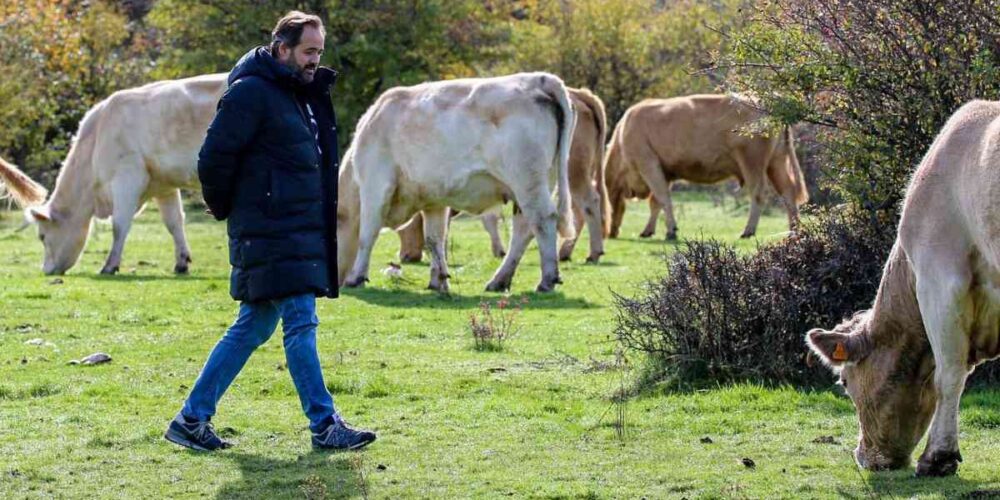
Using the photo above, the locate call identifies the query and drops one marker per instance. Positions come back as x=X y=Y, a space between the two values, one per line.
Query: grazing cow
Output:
x=937 y=312
x=135 y=145
x=701 y=139
x=471 y=144
x=586 y=185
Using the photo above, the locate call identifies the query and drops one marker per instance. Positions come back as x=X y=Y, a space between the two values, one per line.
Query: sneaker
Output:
x=196 y=435
x=338 y=436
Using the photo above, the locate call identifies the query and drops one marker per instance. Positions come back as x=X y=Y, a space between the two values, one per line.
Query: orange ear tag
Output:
x=840 y=353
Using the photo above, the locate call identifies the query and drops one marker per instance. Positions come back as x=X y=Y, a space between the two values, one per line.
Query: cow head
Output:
x=62 y=235
x=889 y=379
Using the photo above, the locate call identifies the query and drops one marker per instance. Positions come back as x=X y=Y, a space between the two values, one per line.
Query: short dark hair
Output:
x=289 y=29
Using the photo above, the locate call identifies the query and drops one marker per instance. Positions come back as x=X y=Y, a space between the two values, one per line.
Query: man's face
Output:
x=304 y=58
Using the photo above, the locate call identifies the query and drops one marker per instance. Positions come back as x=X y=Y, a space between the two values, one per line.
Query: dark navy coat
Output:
x=263 y=170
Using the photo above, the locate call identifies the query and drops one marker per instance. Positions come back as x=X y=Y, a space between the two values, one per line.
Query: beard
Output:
x=303 y=74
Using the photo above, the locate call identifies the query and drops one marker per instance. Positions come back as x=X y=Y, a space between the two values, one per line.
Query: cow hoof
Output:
x=613 y=234
x=593 y=259
x=747 y=235
x=355 y=283
x=181 y=269
x=109 y=270
x=410 y=259
x=671 y=236
x=498 y=286
x=545 y=287
x=644 y=234
x=564 y=258
x=939 y=464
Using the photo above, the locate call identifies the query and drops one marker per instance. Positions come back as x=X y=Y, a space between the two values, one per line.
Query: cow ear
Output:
x=38 y=214
x=838 y=349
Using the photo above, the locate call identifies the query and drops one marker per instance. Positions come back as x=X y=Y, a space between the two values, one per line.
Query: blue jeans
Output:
x=255 y=324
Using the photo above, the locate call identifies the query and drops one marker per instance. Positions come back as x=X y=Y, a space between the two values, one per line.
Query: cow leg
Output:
x=566 y=250
x=126 y=194
x=652 y=173
x=942 y=303
x=543 y=224
x=436 y=234
x=491 y=222
x=654 y=215
x=411 y=240
x=172 y=213
x=754 y=184
x=372 y=214
x=617 y=214
x=519 y=238
x=777 y=173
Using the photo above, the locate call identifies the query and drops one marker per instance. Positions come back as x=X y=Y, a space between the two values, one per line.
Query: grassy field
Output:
x=534 y=420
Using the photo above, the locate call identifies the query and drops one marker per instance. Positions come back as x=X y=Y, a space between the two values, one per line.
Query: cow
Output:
x=471 y=144
x=136 y=145
x=586 y=183
x=936 y=315
x=702 y=139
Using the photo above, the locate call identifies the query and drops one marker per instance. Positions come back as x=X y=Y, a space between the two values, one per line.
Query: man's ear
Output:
x=838 y=349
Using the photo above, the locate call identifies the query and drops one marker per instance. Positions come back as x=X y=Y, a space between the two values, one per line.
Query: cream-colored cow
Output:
x=586 y=186
x=937 y=313
x=701 y=139
x=471 y=144
x=136 y=145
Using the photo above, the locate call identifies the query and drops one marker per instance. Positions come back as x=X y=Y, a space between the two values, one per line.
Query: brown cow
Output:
x=586 y=184
x=937 y=313
x=702 y=139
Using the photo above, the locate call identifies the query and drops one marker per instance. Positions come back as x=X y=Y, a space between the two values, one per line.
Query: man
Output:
x=269 y=167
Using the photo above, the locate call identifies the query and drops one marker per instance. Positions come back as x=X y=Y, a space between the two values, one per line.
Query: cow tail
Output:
x=22 y=188
x=566 y=120
x=798 y=179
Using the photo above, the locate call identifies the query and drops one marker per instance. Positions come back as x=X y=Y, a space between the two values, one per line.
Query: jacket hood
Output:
x=259 y=62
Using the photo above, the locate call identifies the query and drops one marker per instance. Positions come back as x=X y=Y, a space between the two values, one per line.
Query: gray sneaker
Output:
x=338 y=436
x=197 y=435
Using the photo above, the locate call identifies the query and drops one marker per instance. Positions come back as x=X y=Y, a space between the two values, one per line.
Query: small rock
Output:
x=381 y=467
x=34 y=342
x=24 y=361
x=748 y=463
x=706 y=440
x=96 y=359
x=57 y=281
x=825 y=440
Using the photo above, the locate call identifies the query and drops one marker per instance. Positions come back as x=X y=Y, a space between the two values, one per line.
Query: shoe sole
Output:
x=174 y=438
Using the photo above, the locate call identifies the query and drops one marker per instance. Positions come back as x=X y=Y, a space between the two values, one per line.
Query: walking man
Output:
x=269 y=168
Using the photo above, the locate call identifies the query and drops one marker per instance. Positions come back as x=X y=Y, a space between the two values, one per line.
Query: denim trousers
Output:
x=254 y=325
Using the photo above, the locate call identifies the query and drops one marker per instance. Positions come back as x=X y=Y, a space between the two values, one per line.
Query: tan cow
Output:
x=471 y=144
x=701 y=139
x=937 y=312
x=586 y=185
x=136 y=145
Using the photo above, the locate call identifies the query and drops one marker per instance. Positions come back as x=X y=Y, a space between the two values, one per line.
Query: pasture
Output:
x=533 y=420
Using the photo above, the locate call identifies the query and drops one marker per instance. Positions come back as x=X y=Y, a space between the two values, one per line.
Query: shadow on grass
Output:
x=315 y=475
x=399 y=297
x=131 y=278
x=903 y=484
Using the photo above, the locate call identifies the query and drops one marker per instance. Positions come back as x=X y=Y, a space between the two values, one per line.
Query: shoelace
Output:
x=203 y=430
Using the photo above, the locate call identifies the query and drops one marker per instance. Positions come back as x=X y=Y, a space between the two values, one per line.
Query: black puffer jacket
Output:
x=261 y=170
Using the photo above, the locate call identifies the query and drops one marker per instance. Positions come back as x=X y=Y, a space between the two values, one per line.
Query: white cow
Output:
x=470 y=144
x=937 y=313
x=137 y=144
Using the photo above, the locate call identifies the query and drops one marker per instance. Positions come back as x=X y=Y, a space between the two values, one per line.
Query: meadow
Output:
x=534 y=420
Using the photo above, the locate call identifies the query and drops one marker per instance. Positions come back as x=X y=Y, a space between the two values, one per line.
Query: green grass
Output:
x=533 y=420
